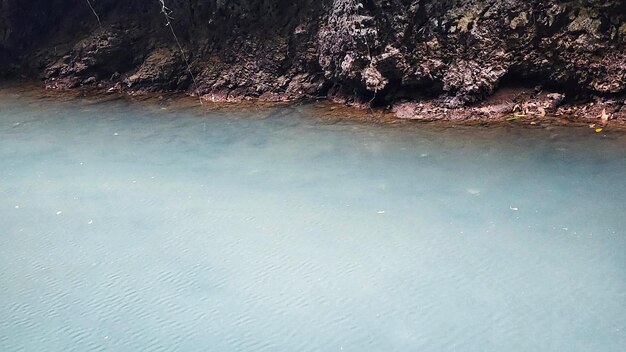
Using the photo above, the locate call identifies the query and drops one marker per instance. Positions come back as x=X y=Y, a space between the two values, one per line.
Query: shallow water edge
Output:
x=326 y=109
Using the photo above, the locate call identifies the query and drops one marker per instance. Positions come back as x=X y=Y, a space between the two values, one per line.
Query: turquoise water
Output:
x=139 y=227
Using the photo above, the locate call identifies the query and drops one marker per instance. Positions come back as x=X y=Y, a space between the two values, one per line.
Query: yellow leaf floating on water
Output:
x=598 y=130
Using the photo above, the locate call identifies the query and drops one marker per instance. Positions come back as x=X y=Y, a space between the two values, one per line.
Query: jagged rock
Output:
x=164 y=68
x=96 y=57
x=455 y=53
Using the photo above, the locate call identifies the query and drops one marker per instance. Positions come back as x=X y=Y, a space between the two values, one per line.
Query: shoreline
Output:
x=489 y=113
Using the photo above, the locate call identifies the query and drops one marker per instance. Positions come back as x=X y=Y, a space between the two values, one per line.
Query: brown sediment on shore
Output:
x=325 y=110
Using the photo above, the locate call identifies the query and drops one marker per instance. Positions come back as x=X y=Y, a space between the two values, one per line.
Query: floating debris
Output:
x=598 y=130
x=604 y=117
x=514 y=208
x=90 y=222
x=542 y=111
x=381 y=212
x=59 y=212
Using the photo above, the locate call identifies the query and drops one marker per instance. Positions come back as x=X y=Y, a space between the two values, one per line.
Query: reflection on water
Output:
x=130 y=227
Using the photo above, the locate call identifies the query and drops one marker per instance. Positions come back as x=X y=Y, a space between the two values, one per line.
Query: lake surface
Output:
x=141 y=227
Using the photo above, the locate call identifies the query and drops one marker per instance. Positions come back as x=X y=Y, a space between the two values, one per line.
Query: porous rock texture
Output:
x=419 y=58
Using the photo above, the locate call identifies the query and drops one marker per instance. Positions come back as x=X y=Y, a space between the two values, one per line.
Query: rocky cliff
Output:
x=420 y=58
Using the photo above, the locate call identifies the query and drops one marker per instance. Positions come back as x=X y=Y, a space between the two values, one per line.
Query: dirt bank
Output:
x=421 y=59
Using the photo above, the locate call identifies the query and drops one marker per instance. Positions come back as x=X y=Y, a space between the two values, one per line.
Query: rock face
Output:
x=448 y=53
